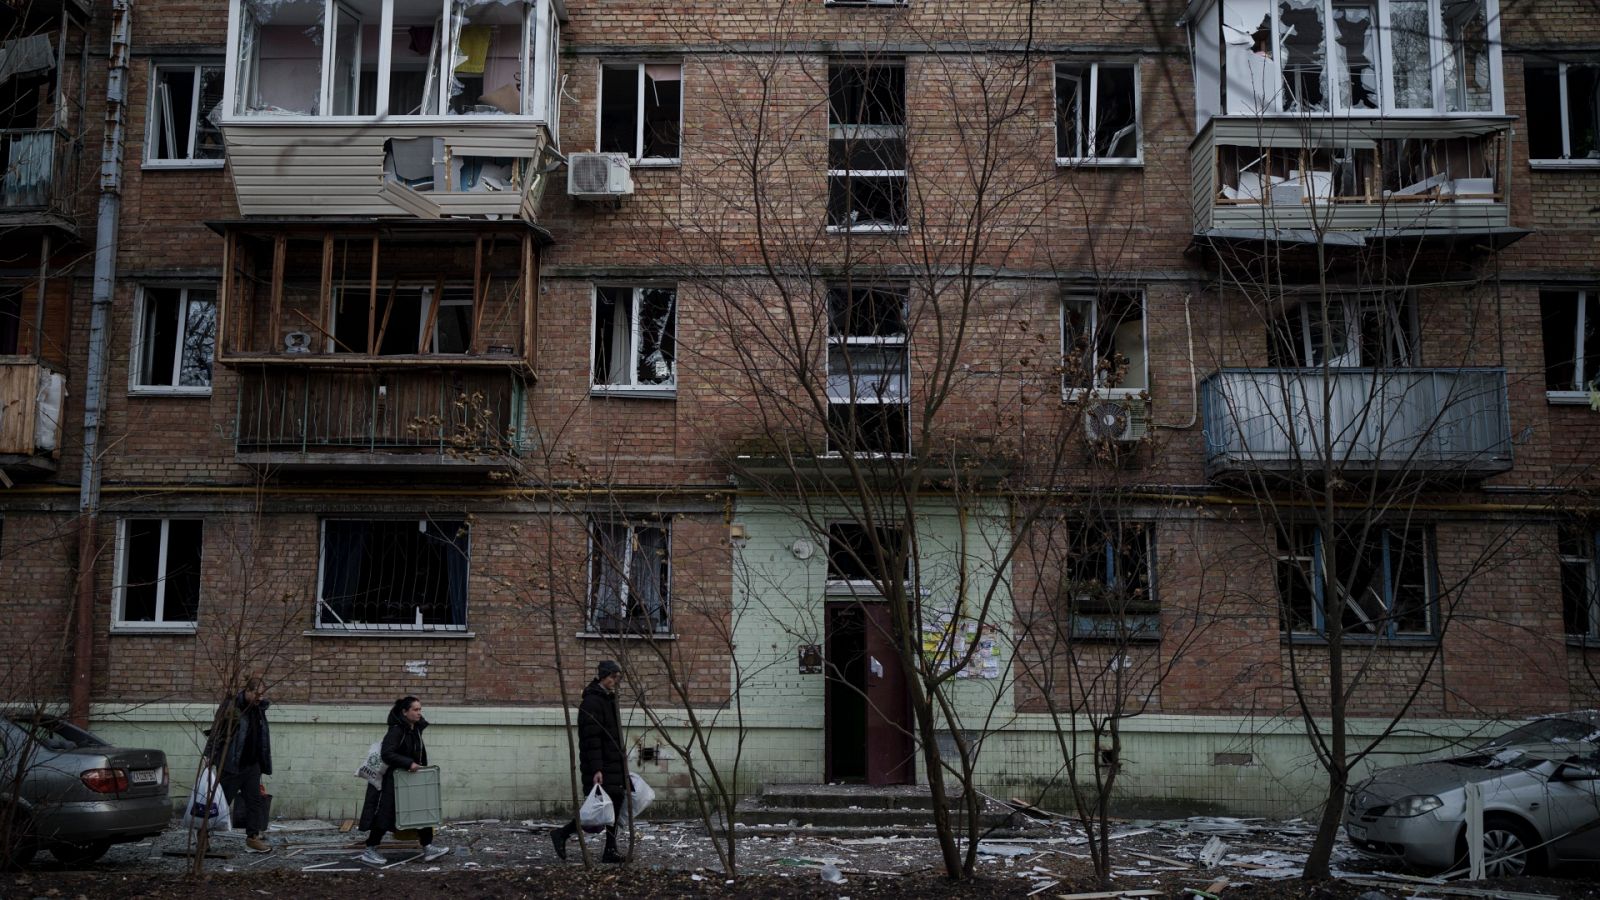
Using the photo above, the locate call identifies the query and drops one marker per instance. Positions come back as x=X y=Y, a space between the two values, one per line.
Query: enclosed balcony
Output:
x=398 y=420
x=38 y=183
x=426 y=108
x=1449 y=424
x=31 y=397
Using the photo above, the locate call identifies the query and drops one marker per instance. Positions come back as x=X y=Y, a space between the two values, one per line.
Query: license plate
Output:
x=1356 y=832
x=145 y=776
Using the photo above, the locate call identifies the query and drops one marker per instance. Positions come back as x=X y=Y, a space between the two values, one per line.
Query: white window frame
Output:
x=869 y=132
x=637 y=157
x=592 y=610
x=1093 y=89
x=136 y=357
x=119 y=589
x=155 y=115
x=1565 y=161
x=1092 y=298
x=632 y=389
x=1580 y=364
x=1591 y=568
x=382 y=628
x=902 y=341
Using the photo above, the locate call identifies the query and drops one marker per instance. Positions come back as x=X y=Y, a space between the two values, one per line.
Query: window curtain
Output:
x=647 y=582
x=609 y=549
x=457 y=542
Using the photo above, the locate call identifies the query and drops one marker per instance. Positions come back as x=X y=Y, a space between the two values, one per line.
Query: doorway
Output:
x=866 y=708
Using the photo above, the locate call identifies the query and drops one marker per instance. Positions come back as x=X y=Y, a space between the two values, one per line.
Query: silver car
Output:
x=1541 y=801
x=63 y=789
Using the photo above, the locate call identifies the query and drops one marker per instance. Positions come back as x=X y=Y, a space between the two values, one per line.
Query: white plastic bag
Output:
x=640 y=796
x=372 y=768
x=207 y=807
x=597 y=812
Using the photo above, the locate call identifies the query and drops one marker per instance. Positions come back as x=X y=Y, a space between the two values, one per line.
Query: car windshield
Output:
x=1543 y=731
x=1509 y=758
x=53 y=733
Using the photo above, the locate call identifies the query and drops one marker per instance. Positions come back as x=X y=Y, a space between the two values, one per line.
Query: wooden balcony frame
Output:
x=240 y=342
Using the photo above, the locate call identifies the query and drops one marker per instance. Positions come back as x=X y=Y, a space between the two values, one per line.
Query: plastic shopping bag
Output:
x=372 y=768
x=597 y=812
x=207 y=807
x=640 y=796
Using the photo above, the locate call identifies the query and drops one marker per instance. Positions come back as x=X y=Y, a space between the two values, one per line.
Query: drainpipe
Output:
x=105 y=262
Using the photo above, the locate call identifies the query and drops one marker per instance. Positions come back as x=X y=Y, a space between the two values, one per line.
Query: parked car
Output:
x=67 y=791
x=1541 y=801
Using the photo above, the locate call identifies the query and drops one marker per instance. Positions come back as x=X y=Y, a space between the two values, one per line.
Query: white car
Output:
x=1541 y=801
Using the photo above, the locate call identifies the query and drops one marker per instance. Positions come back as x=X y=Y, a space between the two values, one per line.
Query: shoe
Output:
x=610 y=856
x=558 y=836
x=433 y=852
x=372 y=857
x=257 y=845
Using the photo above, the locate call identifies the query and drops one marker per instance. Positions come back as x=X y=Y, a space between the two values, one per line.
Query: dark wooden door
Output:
x=890 y=748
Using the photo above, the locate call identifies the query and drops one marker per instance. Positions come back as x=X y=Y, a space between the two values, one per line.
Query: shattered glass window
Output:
x=394 y=574
x=1578 y=549
x=1467 y=74
x=182 y=127
x=1571 y=329
x=177 y=338
x=160 y=578
x=1408 y=41
x=1300 y=33
x=280 y=57
x=1097 y=111
x=867 y=147
x=869 y=370
x=1356 y=45
x=630 y=578
x=1102 y=341
x=1563 y=111
x=635 y=337
x=640 y=110
x=1107 y=586
x=1381 y=577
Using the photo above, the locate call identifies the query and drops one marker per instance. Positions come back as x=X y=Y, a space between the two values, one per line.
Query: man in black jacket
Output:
x=602 y=757
x=241 y=747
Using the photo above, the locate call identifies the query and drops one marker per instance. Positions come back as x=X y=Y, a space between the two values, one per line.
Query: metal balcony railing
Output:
x=461 y=416
x=1363 y=421
x=38 y=170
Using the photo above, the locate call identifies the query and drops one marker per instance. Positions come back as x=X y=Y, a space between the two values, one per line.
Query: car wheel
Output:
x=1507 y=848
x=79 y=854
x=17 y=845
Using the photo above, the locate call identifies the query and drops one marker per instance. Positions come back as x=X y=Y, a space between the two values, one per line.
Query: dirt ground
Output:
x=506 y=859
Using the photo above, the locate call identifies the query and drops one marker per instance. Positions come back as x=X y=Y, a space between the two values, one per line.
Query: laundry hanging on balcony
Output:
x=31 y=55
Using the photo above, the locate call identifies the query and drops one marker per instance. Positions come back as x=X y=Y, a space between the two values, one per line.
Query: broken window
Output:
x=394 y=575
x=181 y=128
x=630 y=578
x=635 y=338
x=1412 y=62
x=1468 y=77
x=1382 y=577
x=867 y=147
x=1571 y=327
x=405 y=321
x=1107 y=585
x=1564 y=112
x=1578 y=549
x=868 y=370
x=459 y=57
x=177 y=334
x=1300 y=34
x=641 y=110
x=1097 y=112
x=1103 y=342
x=1355 y=46
x=1344 y=331
x=855 y=556
x=158 y=581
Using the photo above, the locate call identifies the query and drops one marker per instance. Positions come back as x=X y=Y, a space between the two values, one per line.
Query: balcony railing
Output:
x=38 y=171
x=1285 y=174
x=413 y=418
x=1440 y=422
x=31 y=395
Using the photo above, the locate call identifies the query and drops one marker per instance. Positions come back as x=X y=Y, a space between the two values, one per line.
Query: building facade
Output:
x=1132 y=360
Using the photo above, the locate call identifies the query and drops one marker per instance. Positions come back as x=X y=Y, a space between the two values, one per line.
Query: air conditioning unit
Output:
x=1120 y=420
x=598 y=176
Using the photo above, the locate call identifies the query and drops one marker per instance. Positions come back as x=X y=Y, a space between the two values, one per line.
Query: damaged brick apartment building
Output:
x=1155 y=350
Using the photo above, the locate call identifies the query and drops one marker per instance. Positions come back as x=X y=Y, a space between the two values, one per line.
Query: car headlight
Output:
x=1415 y=805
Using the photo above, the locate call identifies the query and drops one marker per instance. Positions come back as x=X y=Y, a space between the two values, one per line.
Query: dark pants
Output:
x=242 y=790
x=375 y=836
x=616 y=795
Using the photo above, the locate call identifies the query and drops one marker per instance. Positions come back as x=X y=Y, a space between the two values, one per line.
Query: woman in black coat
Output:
x=602 y=756
x=402 y=749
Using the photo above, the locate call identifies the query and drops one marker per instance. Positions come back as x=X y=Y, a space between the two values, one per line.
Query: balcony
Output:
x=31 y=396
x=399 y=420
x=37 y=182
x=1448 y=424
x=1300 y=178
x=323 y=116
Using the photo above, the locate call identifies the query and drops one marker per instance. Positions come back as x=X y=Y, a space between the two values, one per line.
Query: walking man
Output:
x=240 y=746
x=601 y=757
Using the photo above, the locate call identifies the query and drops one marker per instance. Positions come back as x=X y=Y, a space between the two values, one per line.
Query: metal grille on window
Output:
x=395 y=575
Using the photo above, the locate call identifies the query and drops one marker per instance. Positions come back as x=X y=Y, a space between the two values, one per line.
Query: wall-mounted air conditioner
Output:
x=1119 y=420
x=599 y=176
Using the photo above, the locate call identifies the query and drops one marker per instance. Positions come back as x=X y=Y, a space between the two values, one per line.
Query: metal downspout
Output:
x=105 y=262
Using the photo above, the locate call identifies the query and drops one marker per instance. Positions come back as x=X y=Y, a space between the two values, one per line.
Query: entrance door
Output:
x=867 y=709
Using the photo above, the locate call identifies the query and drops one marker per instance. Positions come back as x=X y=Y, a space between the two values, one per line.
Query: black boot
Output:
x=559 y=837
x=611 y=855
